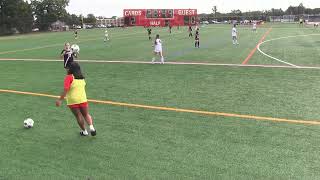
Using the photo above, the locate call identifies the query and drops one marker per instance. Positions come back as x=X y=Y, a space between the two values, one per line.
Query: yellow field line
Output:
x=248 y=117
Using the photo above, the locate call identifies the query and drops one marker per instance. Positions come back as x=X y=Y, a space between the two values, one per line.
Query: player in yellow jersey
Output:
x=75 y=93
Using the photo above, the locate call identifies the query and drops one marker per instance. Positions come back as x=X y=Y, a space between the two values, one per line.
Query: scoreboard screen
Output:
x=159 y=13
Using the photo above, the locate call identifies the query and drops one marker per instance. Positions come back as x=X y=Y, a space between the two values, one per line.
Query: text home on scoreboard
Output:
x=160 y=17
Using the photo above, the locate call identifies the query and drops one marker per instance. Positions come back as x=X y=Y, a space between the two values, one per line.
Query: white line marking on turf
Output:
x=286 y=37
x=171 y=63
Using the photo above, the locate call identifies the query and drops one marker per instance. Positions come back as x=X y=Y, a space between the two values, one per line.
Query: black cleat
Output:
x=93 y=133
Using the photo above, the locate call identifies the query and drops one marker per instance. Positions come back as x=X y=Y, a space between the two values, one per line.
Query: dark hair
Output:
x=157 y=37
x=75 y=70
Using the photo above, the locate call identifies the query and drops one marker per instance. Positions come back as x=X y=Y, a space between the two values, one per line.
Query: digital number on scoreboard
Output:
x=159 y=13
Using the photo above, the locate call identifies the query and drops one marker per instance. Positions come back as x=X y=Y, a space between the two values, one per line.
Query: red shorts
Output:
x=81 y=105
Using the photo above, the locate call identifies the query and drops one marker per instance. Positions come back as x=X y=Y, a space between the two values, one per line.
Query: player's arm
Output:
x=67 y=84
x=61 y=54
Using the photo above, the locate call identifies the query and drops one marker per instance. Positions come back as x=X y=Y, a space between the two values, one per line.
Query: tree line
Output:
x=237 y=14
x=23 y=16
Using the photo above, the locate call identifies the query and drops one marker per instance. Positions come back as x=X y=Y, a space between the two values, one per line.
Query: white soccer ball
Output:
x=75 y=48
x=28 y=123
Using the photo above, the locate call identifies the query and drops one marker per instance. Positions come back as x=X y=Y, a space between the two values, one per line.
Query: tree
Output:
x=214 y=11
x=15 y=15
x=90 y=19
x=48 y=11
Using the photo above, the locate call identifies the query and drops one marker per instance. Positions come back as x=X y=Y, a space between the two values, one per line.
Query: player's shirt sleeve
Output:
x=67 y=82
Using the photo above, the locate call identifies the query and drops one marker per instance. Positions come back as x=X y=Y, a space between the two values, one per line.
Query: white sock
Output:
x=153 y=59
x=92 y=128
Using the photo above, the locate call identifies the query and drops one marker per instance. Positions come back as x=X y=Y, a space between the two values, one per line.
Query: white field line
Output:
x=171 y=63
x=287 y=37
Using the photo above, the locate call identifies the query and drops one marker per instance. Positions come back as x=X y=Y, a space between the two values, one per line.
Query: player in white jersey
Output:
x=106 y=36
x=254 y=27
x=234 y=34
x=158 y=49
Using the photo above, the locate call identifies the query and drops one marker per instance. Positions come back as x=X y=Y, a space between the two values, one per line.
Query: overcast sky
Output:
x=110 y=8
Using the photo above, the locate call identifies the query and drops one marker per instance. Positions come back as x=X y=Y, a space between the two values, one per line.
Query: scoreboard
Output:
x=160 y=17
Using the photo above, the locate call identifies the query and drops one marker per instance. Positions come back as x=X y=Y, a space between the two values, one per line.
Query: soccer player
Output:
x=149 y=33
x=158 y=49
x=190 y=31
x=76 y=34
x=170 y=27
x=254 y=27
x=106 y=36
x=75 y=93
x=234 y=34
x=68 y=55
x=197 y=39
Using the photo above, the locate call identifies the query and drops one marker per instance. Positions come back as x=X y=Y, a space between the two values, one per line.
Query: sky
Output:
x=109 y=8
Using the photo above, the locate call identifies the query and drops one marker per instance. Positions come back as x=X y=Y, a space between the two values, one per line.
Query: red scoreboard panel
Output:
x=160 y=17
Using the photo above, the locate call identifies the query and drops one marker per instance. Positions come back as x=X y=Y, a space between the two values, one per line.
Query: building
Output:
x=59 y=26
x=160 y=17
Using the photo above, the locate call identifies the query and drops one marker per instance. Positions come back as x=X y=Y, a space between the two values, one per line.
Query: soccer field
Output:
x=222 y=111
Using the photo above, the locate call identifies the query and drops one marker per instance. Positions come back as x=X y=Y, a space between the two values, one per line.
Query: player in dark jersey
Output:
x=68 y=55
x=149 y=33
x=170 y=27
x=197 y=40
x=75 y=34
x=190 y=31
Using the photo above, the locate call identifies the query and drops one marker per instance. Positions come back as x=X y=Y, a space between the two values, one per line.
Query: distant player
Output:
x=68 y=55
x=158 y=49
x=197 y=39
x=76 y=34
x=190 y=31
x=149 y=33
x=254 y=27
x=316 y=25
x=170 y=29
x=75 y=93
x=106 y=36
x=301 y=22
x=234 y=34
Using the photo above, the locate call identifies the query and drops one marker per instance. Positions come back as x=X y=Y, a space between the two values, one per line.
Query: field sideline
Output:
x=217 y=112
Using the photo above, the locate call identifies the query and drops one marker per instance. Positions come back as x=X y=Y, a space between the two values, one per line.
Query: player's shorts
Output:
x=77 y=106
x=158 y=50
x=234 y=37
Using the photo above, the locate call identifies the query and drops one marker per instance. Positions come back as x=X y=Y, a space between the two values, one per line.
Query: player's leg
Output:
x=154 y=56
x=76 y=112
x=161 y=57
x=85 y=113
x=198 y=43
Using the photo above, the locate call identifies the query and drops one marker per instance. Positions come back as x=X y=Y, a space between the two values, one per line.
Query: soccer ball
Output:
x=75 y=48
x=28 y=123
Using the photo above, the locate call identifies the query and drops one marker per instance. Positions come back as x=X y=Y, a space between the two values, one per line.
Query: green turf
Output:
x=137 y=143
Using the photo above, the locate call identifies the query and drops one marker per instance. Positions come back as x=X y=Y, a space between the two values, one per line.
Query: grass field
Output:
x=158 y=141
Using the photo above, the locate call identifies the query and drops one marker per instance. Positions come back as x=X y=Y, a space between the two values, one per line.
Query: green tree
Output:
x=15 y=15
x=48 y=11
x=90 y=19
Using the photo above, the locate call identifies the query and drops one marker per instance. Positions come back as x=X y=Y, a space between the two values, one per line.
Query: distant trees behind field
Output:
x=21 y=16
x=258 y=15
